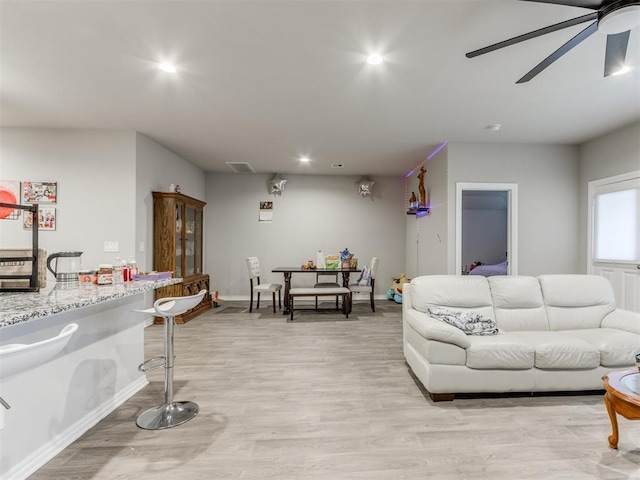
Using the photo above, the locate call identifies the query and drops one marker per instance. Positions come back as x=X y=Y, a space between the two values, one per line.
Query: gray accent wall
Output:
x=95 y=171
x=613 y=154
x=548 y=186
x=101 y=175
x=313 y=213
x=105 y=179
x=156 y=169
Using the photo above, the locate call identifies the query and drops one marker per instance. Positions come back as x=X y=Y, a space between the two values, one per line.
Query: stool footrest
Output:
x=144 y=368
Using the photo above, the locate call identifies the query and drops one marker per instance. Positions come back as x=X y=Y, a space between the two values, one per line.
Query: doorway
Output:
x=486 y=226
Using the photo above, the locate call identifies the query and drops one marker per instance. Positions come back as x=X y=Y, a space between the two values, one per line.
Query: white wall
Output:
x=156 y=169
x=612 y=154
x=431 y=240
x=313 y=213
x=95 y=171
x=105 y=179
x=547 y=178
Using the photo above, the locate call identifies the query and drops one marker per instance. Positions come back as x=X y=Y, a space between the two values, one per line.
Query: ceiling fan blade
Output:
x=593 y=4
x=616 y=52
x=587 y=32
x=534 y=34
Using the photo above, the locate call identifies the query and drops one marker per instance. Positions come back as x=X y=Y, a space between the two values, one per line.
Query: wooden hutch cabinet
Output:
x=177 y=248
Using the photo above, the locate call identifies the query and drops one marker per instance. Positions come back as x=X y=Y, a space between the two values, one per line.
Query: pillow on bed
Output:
x=470 y=322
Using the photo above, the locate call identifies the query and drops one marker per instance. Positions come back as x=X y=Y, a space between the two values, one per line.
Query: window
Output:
x=617 y=224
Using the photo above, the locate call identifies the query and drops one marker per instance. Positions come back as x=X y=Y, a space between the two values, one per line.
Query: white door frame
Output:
x=512 y=220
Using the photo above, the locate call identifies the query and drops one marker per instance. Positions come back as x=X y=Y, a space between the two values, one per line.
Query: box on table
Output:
x=332 y=262
x=151 y=276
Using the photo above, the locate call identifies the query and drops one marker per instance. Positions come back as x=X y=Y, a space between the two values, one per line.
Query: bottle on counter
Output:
x=133 y=268
x=118 y=271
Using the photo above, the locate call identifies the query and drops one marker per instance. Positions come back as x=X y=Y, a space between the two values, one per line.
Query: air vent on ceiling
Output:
x=337 y=165
x=240 y=167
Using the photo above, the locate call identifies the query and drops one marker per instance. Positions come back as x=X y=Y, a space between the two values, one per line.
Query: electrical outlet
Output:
x=141 y=247
x=111 y=247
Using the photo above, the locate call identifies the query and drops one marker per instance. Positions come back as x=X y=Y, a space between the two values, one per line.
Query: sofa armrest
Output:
x=622 y=320
x=434 y=329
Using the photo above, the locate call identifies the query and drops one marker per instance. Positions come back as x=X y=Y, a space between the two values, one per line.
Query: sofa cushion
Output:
x=576 y=301
x=518 y=303
x=430 y=328
x=554 y=351
x=460 y=292
x=503 y=351
x=470 y=322
x=617 y=348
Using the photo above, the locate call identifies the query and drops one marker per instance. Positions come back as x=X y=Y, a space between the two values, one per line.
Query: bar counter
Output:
x=23 y=306
x=55 y=400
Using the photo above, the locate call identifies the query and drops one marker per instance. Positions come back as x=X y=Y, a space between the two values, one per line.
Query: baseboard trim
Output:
x=41 y=456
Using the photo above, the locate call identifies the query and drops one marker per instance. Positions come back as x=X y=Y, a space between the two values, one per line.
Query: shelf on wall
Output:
x=419 y=211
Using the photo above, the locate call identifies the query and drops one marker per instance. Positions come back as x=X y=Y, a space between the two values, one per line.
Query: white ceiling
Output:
x=266 y=81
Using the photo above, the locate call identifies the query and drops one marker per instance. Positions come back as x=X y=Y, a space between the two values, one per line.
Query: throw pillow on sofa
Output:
x=470 y=322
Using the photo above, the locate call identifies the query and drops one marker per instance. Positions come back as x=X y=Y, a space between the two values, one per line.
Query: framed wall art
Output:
x=39 y=192
x=9 y=193
x=46 y=219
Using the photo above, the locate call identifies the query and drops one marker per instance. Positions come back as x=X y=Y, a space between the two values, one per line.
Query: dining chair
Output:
x=327 y=284
x=253 y=266
x=370 y=288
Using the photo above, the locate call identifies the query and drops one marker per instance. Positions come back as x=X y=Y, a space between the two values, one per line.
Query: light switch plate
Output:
x=111 y=246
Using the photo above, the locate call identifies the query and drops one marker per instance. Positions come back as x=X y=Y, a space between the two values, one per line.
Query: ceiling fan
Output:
x=616 y=18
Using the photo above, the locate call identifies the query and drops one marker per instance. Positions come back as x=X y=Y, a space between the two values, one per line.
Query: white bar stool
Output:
x=17 y=357
x=170 y=413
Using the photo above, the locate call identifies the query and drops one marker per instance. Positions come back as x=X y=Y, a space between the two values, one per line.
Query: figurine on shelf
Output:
x=413 y=201
x=423 y=194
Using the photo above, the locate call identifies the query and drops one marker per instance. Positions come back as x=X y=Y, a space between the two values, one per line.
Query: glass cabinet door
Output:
x=198 y=242
x=179 y=246
x=190 y=241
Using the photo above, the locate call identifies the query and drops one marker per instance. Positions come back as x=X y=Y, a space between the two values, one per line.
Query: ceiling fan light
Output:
x=624 y=69
x=620 y=20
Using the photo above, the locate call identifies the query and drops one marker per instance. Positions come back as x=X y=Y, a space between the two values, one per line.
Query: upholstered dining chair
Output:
x=370 y=289
x=323 y=283
x=253 y=266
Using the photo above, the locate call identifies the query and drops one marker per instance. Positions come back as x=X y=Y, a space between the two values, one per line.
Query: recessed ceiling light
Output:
x=375 y=59
x=167 y=67
x=494 y=127
x=305 y=159
x=623 y=69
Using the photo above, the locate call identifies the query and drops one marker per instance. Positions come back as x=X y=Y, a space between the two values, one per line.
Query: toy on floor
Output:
x=395 y=292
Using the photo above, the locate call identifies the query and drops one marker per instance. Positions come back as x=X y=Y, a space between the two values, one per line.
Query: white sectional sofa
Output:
x=556 y=333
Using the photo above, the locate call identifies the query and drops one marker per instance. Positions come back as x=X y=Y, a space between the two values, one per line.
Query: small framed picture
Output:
x=39 y=192
x=46 y=219
x=9 y=193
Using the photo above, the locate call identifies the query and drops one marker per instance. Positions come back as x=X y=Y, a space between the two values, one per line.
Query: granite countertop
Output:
x=23 y=306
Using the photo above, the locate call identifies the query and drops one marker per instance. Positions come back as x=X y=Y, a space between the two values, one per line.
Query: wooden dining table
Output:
x=288 y=272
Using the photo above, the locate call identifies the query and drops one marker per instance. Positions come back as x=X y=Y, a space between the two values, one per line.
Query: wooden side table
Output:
x=622 y=397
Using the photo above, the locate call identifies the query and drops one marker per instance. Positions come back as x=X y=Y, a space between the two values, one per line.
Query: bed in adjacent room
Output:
x=490 y=270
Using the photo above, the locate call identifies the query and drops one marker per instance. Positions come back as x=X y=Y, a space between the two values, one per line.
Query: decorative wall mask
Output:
x=365 y=186
x=276 y=184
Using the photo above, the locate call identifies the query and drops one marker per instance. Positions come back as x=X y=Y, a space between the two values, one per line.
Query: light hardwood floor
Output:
x=329 y=398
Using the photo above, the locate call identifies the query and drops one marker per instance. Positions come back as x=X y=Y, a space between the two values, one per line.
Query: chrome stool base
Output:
x=167 y=415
